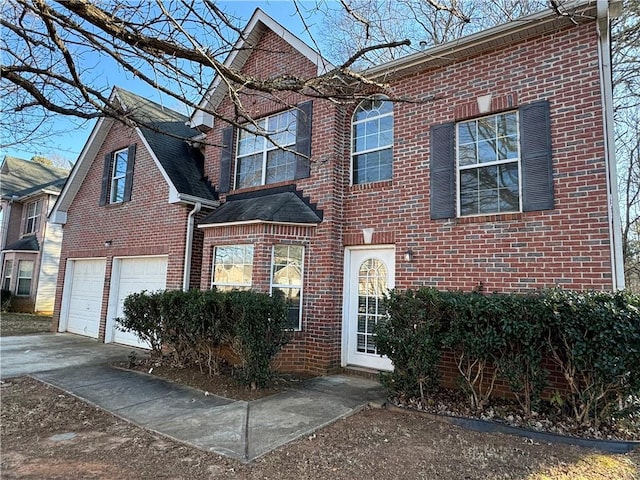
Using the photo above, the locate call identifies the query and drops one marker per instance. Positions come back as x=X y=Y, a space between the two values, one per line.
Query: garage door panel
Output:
x=85 y=297
x=136 y=275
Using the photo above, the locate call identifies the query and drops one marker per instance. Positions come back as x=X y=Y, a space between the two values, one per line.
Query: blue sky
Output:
x=69 y=145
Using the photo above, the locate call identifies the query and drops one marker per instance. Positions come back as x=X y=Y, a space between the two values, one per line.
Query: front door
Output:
x=369 y=274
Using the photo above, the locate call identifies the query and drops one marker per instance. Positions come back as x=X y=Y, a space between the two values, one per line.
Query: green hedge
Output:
x=192 y=328
x=593 y=338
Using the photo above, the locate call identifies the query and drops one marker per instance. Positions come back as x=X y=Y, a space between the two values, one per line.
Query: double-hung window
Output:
x=266 y=153
x=25 y=275
x=232 y=267
x=488 y=160
x=32 y=217
x=7 y=274
x=493 y=164
x=118 y=176
x=372 y=141
x=286 y=278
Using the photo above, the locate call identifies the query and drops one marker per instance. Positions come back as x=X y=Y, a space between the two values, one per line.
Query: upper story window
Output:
x=32 y=216
x=117 y=177
x=493 y=164
x=278 y=149
x=286 y=278
x=372 y=141
x=488 y=160
x=267 y=159
x=233 y=267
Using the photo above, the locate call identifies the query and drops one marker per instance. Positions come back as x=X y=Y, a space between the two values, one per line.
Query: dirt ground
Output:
x=47 y=434
x=23 y=324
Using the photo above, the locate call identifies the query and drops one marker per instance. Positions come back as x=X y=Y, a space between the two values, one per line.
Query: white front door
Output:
x=369 y=274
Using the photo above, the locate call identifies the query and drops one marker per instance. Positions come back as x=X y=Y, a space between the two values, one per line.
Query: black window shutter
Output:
x=106 y=178
x=535 y=150
x=303 y=139
x=226 y=156
x=442 y=189
x=128 y=180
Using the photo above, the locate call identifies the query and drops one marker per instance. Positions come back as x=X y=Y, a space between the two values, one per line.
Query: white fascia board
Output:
x=192 y=200
x=80 y=170
x=254 y=222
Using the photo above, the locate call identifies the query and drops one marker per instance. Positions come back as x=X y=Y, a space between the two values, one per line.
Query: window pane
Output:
x=250 y=171
x=467 y=155
x=281 y=166
x=373 y=166
x=372 y=132
x=286 y=278
x=8 y=272
x=487 y=151
x=25 y=274
x=486 y=128
x=233 y=266
x=120 y=164
x=467 y=132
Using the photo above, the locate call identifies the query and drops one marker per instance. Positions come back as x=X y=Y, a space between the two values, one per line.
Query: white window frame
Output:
x=23 y=278
x=225 y=286
x=7 y=274
x=32 y=216
x=268 y=142
x=379 y=148
x=299 y=287
x=459 y=168
x=118 y=178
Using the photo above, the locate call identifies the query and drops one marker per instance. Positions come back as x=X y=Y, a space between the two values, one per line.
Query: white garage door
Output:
x=136 y=275
x=85 y=286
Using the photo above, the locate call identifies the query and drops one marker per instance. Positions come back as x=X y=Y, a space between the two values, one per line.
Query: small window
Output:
x=286 y=278
x=488 y=160
x=25 y=275
x=372 y=141
x=7 y=274
x=232 y=267
x=261 y=160
x=32 y=217
x=118 y=176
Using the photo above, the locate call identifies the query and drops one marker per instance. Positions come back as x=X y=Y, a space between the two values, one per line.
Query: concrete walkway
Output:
x=238 y=429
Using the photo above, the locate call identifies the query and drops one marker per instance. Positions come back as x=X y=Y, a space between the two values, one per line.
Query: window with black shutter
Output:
x=117 y=176
x=493 y=164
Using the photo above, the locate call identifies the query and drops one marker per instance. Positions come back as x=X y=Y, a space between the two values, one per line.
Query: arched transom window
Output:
x=372 y=141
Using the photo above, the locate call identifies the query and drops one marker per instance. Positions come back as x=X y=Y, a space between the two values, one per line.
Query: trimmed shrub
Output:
x=595 y=340
x=258 y=330
x=142 y=316
x=411 y=338
x=5 y=299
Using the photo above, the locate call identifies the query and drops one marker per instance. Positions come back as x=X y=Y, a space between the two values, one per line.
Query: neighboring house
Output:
x=128 y=214
x=30 y=245
x=503 y=179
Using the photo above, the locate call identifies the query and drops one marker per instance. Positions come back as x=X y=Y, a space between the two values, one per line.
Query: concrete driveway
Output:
x=27 y=354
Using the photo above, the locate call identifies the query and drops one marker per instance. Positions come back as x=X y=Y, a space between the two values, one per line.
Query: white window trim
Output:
x=35 y=217
x=114 y=179
x=7 y=274
x=267 y=146
x=517 y=160
x=277 y=285
x=354 y=153
x=232 y=285
x=22 y=278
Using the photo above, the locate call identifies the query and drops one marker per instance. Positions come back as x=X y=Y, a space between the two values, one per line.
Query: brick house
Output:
x=30 y=245
x=502 y=179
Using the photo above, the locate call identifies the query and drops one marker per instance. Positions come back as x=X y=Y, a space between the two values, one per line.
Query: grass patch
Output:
x=12 y=324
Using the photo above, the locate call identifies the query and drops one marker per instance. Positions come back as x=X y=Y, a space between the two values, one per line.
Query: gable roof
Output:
x=274 y=205
x=24 y=178
x=259 y=23
x=171 y=143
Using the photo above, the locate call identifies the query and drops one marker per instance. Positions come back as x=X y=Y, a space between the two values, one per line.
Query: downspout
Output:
x=606 y=86
x=188 y=248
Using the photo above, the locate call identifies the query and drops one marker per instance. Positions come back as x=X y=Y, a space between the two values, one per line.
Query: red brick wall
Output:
x=568 y=246
x=147 y=225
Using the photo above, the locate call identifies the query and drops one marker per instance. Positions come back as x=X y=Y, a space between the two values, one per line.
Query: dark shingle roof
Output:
x=167 y=135
x=26 y=244
x=281 y=205
x=23 y=177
